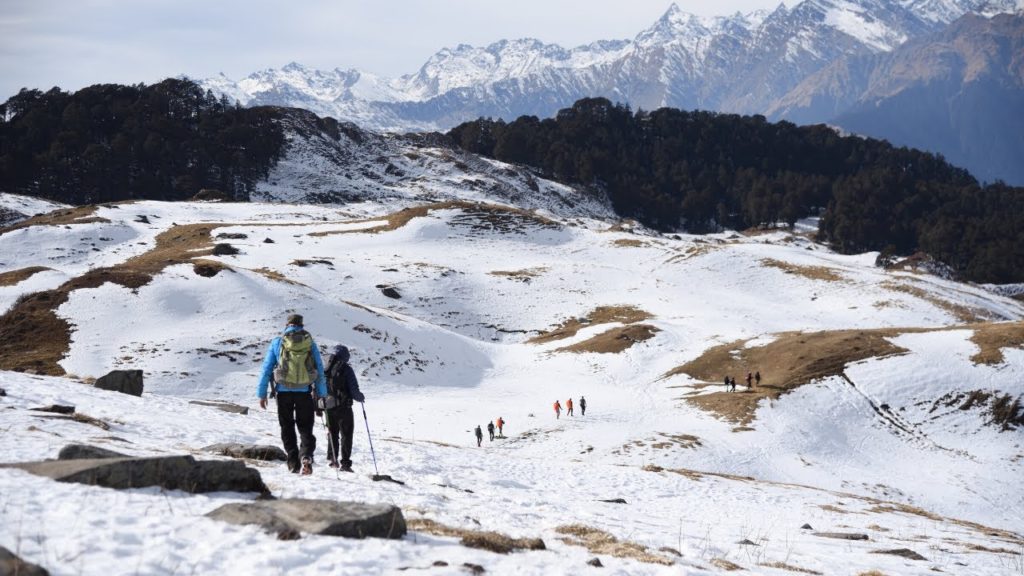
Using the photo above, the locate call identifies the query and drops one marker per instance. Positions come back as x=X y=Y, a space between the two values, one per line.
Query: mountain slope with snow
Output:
x=739 y=63
x=500 y=311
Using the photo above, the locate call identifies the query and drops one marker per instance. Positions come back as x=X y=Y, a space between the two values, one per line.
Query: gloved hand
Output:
x=321 y=404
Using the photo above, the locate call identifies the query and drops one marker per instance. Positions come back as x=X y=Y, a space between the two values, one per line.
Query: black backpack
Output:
x=337 y=387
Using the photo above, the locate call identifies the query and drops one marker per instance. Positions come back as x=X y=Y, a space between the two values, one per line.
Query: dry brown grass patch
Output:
x=960 y=312
x=600 y=542
x=812 y=272
x=484 y=540
x=992 y=338
x=63 y=217
x=789 y=567
x=276 y=276
x=600 y=315
x=488 y=212
x=522 y=275
x=614 y=341
x=726 y=565
x=629 y=243
x=33 y=317
x=871 y=573
x=791 y=360
x=14 y=277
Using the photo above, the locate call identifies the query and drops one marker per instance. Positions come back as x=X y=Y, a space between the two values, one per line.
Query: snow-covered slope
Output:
x=501 y=312
x=738 y=63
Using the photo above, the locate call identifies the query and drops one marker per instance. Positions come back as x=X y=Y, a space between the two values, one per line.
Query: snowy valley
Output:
x=889 y=407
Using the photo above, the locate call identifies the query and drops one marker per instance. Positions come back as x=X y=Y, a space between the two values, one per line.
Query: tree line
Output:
x=704 y=171
x=110 y=142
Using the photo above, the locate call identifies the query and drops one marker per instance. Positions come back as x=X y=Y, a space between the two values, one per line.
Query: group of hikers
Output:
x=498 y=424
x=294 y=374
x=304 y=387
x=752 y=380
x=568 y=407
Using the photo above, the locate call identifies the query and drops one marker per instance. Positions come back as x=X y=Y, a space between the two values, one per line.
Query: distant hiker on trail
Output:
x=750 y=380
x=490 y=430
x=583 y=406
x=558 y=409
x=342 y=390
x=727 y=383
x=757 y=378
x=568 y=406
x=732 y=384
x=294 y=366
x=479 y=436
x=501 y=424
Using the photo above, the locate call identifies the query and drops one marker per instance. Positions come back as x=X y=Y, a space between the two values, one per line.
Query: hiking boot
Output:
x=307 y=466
x=333 y=464
x=346 y=468
x=293 y=466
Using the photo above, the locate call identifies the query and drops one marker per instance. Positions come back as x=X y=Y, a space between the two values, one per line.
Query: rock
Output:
x=324 y=517
x=289 y=534
x=224 y=249
x=55 y=408
x=223 y=406
x=439 y=564
x=595 y=562
x=123 y=381
x=3 y=392
x=142 y=219
x=902 y=552
x=233 y=236
x=842 y=535
x=86 y=452
x=671 y=551
x=11 y=564
x=747 y=542
x=473 y=568
x=615 y=501
x=390 y=292
x=806 y=527
x=170 y=472
x=251 y=451
x=268 y=241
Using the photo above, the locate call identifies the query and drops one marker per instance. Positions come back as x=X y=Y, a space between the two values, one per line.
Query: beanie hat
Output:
x=295 y=320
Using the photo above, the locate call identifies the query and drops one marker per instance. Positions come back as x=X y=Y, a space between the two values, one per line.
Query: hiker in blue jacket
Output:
x=294 y=366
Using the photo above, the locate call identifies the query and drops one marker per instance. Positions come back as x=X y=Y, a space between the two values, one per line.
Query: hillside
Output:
x=954 y=92
x=871 y=376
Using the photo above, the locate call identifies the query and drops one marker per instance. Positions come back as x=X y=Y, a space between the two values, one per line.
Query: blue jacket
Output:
x=270 y=361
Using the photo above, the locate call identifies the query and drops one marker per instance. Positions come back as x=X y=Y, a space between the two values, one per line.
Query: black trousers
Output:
x=340 y=420
x=295 y=409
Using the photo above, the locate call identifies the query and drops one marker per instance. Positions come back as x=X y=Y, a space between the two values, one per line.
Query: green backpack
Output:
x=295 y=368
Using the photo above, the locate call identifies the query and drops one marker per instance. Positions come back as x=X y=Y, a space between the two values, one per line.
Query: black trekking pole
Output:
x=378 y=476
x=330 y=442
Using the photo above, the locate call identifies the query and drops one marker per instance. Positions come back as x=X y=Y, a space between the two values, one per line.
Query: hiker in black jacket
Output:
x=490 y=430
x=342 y=390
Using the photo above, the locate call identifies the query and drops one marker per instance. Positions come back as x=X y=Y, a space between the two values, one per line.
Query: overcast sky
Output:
x=75 y=43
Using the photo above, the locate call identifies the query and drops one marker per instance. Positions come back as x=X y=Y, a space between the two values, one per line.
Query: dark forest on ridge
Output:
x=668 y=169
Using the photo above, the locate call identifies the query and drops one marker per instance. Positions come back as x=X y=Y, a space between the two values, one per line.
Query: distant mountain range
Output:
x=960 y=92
x=746 y=63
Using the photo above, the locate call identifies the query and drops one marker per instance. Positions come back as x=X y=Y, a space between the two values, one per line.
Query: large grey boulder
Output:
x=170 y=472
x=11 y=564
x=86 y=452
x=222 y=406
x=123 y=381
x=324 y=517
x=251 y=451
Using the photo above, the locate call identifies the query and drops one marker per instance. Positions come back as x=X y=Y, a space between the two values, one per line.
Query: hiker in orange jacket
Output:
x=501 y=423
x=558 y=409
x=568 y=406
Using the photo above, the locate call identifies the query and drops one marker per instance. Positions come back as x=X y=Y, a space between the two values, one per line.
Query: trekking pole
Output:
x=330 y=442
x=370 y=438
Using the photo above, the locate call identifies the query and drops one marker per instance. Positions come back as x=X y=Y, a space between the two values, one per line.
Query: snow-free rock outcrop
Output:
x=324 y=517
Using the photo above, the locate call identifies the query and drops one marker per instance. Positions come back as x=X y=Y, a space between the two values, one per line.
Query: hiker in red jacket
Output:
x=501 y=424
x=568 y=406
x=558 y=409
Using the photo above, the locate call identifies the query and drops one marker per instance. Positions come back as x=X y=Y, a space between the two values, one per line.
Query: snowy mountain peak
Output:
x=740 y=63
